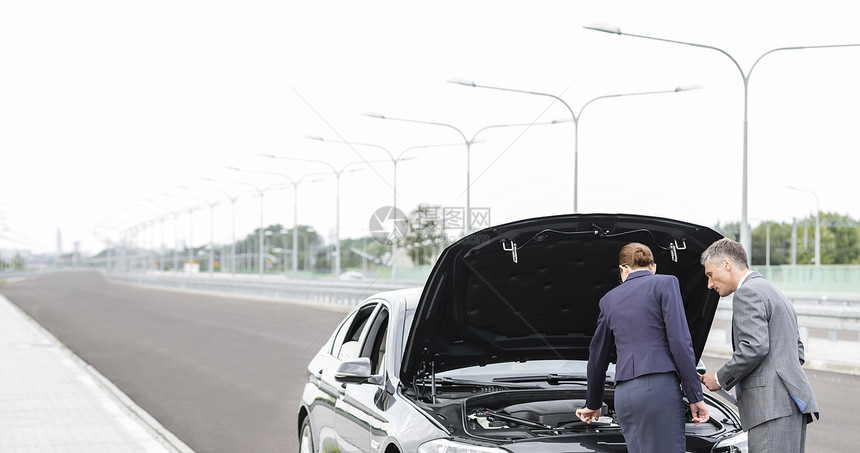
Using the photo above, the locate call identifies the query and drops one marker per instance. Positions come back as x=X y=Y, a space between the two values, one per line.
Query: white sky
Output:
x=105 y=106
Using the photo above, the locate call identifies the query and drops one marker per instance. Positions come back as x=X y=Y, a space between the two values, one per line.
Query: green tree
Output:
x=731 y=230
x=780 y=244
x=363 y=253
x=840 y=239
x=277 y=236
x=426 y=238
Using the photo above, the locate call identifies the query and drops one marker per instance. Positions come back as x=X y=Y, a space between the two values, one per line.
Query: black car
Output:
x=490 y=356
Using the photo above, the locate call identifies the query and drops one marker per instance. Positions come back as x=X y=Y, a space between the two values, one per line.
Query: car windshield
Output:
x=539 y=369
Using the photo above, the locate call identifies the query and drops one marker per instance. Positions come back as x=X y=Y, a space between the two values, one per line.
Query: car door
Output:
x=343 y=346
x=359 y=417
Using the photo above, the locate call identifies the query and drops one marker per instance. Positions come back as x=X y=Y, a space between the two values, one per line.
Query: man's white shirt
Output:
x=743 y=279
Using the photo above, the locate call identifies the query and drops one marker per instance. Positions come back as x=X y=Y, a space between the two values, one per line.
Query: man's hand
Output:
x=710 y=382
x=700 y=412
x=588 y=415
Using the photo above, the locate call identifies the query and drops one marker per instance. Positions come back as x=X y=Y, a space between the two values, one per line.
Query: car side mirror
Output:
x=353 y=371
x=700 y=367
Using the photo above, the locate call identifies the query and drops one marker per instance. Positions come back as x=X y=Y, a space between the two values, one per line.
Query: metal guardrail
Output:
x=324 y=292
x=831 y=314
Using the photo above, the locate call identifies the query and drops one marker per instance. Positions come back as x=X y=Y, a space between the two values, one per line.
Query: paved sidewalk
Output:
x=52 y=401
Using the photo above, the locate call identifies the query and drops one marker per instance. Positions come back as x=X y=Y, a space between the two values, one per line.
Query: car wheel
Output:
x=306 y=441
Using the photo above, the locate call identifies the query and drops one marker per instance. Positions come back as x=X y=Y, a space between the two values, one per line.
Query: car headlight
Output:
x=736 y=444
x=449 y=446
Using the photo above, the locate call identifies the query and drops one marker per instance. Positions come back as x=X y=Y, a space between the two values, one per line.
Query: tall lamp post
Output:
x=140 y=207
x=394 y=161
x=746 y=238
x=575 y=116
x=175 y=227
x=261 y=193
x=212 y=205
x=233 y=199
x=337 y=174
x=108 y=249
x=817 y=224
x=295 y=183
x=468 y=142
x=190 y=228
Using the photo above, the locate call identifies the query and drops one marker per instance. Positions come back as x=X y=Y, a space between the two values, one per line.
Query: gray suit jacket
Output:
x=767 y=355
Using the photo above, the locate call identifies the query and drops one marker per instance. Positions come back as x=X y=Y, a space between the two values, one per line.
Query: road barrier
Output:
x=828 y=314
x=833 y=315
x=324 y=292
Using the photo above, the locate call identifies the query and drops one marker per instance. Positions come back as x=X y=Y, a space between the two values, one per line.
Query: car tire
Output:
x=306 y=440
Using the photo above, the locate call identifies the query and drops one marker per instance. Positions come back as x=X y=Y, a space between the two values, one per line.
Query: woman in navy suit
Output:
x=644 y=319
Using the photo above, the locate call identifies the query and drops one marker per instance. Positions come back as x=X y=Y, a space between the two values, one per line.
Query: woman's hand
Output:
x=588 y=415
x=700 y=412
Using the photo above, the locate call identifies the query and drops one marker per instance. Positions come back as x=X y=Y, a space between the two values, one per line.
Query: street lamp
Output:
x=817 y=224
x=190 y=228
x=295 y=183
x=109 y=250
x=212 y=205
x=575 y=116
x=144 y=254
x=468 y=144
x=233 y=199
x=337 y=174
x=746 y=239
x=260 y=192
x=394 y=161
x=175 y=213
x=175 y=227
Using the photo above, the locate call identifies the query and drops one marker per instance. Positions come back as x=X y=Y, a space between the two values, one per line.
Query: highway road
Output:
x=225 y=374
x=222 y=374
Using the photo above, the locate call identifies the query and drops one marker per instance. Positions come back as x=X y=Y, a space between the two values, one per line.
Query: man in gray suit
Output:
x=774 y=396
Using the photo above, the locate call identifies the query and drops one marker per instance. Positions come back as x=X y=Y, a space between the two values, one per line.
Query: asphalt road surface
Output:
x=225 y=374
x=222 y=374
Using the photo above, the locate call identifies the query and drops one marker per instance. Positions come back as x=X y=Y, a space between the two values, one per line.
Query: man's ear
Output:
x=727 y=263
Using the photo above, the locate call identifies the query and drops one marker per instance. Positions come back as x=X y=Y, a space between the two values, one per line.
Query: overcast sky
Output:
x=105 y=107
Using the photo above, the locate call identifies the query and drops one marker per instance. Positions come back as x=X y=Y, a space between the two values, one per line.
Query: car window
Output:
x=338 y=337
x=376 y=341
x=345 y=344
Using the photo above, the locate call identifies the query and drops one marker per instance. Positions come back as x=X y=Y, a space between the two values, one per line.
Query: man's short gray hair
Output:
x=726 y=248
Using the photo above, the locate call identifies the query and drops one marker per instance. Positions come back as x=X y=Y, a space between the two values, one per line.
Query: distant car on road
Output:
x=490 y=356
x=352 y=275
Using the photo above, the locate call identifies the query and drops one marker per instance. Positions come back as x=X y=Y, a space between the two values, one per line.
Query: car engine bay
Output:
x=503 y=414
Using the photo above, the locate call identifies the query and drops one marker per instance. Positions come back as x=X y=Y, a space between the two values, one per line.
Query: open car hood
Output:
x=529 y=290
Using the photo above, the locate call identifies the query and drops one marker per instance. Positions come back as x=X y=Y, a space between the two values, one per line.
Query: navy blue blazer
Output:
x=644 y=318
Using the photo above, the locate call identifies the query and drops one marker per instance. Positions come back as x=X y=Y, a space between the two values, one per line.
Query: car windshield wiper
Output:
x=552 y=378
